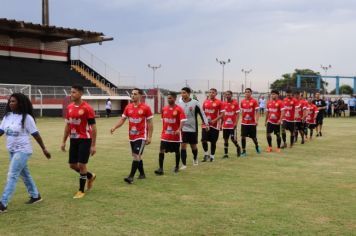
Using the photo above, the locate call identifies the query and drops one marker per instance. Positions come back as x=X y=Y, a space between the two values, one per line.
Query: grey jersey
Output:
x=191 y=110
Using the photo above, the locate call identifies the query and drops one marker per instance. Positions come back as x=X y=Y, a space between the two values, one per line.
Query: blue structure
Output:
x=319 y=77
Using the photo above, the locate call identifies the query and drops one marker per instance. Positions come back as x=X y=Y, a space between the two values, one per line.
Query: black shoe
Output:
x=206 y=158
x=320 y=134
x=141 y=177
x=128 y=180
x=34 y=200
x=302 y=142
x=225 y=156
x=176 y=169
x=238 y=151
x=159 y=171
x=284 y=146
x=317 y=135
x=3 y=209
x=211 y=159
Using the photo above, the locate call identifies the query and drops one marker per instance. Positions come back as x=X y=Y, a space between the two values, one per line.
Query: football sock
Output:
x=140 y=168
x=243 y=143
x=279 y=140
x=269 y=140
x=160 y=160
x=134 y=167
x=184 y=156
x=226 y=147
x=205 y=147
x=213 y=148
x=177 y=159
x=195 y=153
x=82 y=181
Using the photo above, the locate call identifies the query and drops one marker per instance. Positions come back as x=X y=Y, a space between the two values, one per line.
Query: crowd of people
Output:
x=292 y=115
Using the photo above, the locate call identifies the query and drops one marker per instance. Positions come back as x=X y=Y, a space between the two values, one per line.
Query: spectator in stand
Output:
x=108 y=107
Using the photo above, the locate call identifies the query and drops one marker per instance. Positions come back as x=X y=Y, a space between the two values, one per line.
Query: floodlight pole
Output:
x=325 y=68
x=154 y=68
x=246 y=72
x=223 y=63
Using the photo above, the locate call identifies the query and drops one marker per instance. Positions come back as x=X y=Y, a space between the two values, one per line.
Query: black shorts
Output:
x=273 y=128
x=190 y=137
x=108 y=111
x=299 y=125
x=288 y=125
x=319 y=118
x=227 y=133
x=248 y=131
x=210 y=136
x=79 y=150
x=137 y=146
x=170 y=146
x=311 y=126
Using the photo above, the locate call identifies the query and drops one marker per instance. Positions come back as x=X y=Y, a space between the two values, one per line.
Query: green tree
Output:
x=344 y=89
x=290 y=81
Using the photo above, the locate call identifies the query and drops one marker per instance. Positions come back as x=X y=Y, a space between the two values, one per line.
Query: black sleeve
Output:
x=91 y=121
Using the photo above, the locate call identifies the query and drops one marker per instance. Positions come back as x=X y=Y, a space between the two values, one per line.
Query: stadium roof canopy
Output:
x=49 y=33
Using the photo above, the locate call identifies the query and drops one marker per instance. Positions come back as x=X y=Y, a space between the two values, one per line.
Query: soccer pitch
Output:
x=307 y=190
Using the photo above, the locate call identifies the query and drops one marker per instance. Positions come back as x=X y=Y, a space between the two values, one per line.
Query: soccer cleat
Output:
x=141 y=177
x=90 y=181
x=79 y=194
x=317 y=135
x=128 y=180
x=206 y=158
x=3 y=209
x=176 y=169
x=238 y=151
x=33 y=200
x=269 y=149
x=159 y=171
x=243 y=154
x=278 y=150
x=284 y=145
x=258 y=150
x=183 y=167
x=225 y=156
x=195 y=162
x=320 y=134
x=212 y=159
x=302 y=142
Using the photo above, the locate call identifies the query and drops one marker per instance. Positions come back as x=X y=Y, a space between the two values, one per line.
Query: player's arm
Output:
x=220 y=116
x=257 y=114
x=150 y=130
x=266 y=118
x=40 y=142
x=202 y=115
x=65 y=136
x=119 y=123
x=93 y=139
x=282 y=115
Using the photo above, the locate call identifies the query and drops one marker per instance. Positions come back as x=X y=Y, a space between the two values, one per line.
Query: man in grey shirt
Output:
x=190 y=128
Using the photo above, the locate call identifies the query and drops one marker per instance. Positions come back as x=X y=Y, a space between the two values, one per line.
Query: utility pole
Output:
x=45 y=12
x=246 y=72
x=154 y=68
x=223 y=63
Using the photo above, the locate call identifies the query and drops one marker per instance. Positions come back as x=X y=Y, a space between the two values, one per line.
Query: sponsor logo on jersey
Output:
x=81 y=112
x=169 y=120
x=135 y=120
x=140 y=111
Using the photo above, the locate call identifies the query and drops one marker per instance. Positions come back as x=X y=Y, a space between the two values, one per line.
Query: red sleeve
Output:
x=149 y=114
x=256 y=105
x=182 y=114
x=125 y=114
x=91 y=113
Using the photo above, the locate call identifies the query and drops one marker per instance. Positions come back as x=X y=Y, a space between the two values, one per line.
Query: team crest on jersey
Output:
x=214 y=104
x=130 y=111
x=175 y=113
x=292 y=103
x=233 y=106
x=277 y=104
x=190 y=108
x=140 y=111
x=81 y=112
x=251 y=103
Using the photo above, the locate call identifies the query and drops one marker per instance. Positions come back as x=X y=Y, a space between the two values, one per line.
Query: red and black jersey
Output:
x=212 y=109
x=312 y=112
x=274 y=109
x=248 y=108
x=230 y=115
x=171 y=118
x=80 y=118
x=289 y=109
x=299 y=109
x=137 y=116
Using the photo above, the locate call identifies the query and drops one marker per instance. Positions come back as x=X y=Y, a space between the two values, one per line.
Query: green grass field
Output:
x=307 y=190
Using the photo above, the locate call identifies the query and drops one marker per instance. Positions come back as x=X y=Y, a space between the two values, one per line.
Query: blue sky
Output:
x=271 y=37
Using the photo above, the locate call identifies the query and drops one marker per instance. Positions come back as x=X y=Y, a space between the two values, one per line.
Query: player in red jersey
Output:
x=214 y=111
x=173 y=118
x=274 y=115
x=80 y=127
x=140 y=117
x=289 y=120
x=312 y=112
x=300 y=114
x=250 y=115
x=230 y=120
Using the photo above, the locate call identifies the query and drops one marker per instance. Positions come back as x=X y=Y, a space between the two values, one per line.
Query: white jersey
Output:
x=18 y=138
x=108 y=105
x=191 y=110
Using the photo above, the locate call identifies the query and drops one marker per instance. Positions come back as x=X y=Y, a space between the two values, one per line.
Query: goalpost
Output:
x=7 y=89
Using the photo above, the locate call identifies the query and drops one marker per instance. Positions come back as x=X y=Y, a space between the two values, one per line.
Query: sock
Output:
x=269 y=140
x=82 y=181
x=160 y=160
x=134 y=167
x=213 y=148
x=295 y=136
x=140 y=168
x=205 y=147
x=311 y=133
x=279 y=140
x=195 y=154
x=284 y=137
x=184 y=156
x=226 y=147
x=212 y=156
x=291 y=139
x=89 y=175
x=177 y=159
x=243 y=143
x=255 y=142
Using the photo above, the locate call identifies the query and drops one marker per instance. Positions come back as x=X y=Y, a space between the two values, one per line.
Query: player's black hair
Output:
x=78 y=87
x=139 y=91
x=188 y=90
x=24 y=106
x=229 y=91
x=173 y=94
x=214 y=89
x=275 y=91
x=248 y=89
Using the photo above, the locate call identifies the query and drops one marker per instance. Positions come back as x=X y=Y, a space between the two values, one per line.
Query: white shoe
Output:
x=183 y=167
x=195 y=162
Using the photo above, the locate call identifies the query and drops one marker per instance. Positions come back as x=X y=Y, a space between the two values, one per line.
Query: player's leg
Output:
x=204 y=142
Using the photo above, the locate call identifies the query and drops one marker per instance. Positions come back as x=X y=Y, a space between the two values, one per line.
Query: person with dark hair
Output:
x=108 y=107
x=262 y=104
x=140 y=117
x=250 y=115
x=311 y=119
x=230 y=120
x=214 y=112
x=321 y=104
x=80 y=127
x=173 y=118
x=191 y=109
x=289 y=118
x=300 y=114
x=18 y=125
x=274 y=115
